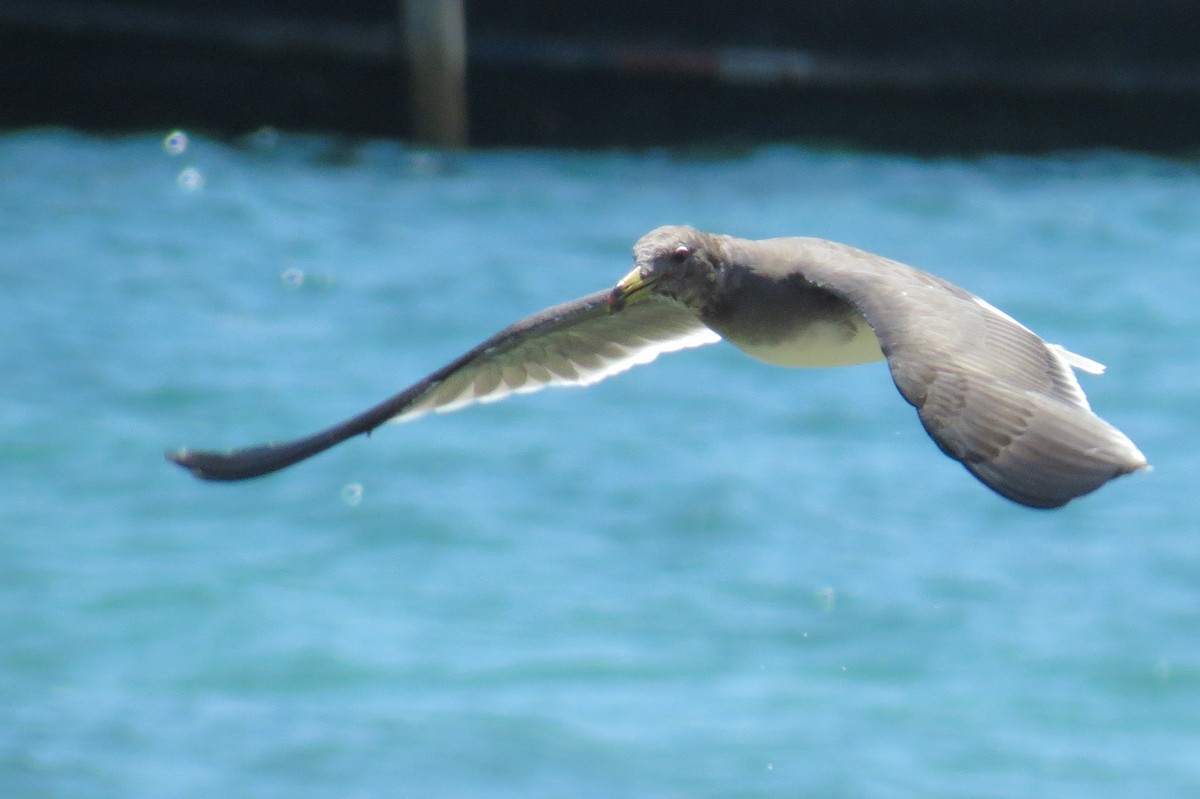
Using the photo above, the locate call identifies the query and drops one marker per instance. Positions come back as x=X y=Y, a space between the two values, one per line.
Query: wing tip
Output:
x=190 y=461
x=1137 y=463
x=1051 y=494
x=234 y=465
x=1064 y=458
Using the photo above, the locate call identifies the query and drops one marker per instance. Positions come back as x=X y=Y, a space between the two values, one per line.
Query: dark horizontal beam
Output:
x=381 y=42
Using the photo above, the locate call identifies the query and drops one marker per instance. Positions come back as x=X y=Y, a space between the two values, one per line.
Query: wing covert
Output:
x=576 y=344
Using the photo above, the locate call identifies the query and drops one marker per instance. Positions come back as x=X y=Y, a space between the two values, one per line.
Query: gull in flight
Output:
x=990 y=392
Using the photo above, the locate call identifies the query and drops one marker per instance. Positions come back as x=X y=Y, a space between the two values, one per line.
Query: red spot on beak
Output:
x=616 y=300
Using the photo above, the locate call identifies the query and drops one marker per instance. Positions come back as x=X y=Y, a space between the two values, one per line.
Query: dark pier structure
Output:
x=914 y=75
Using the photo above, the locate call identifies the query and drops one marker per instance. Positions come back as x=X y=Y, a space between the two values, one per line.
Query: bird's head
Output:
x=674 y=261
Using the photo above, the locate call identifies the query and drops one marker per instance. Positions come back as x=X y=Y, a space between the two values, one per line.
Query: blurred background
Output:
x=927 y=75
x=226 y=223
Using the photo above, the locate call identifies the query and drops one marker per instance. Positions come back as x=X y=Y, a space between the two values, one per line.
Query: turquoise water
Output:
x=703 y=578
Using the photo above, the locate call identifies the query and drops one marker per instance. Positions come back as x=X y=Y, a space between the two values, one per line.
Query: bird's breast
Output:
x=819 y=343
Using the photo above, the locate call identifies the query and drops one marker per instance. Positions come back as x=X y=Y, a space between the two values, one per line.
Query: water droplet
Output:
x=826 y=598
x=190 y=179
x=352 y=494
x=293 y=277
x=175 y=142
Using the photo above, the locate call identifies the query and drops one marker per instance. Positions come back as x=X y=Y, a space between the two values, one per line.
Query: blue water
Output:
x=703 y=578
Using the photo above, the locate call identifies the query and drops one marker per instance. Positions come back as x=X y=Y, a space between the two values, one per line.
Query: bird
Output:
x=989 y=391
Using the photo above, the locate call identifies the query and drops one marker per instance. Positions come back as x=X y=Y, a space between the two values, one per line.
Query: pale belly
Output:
x=821 y=344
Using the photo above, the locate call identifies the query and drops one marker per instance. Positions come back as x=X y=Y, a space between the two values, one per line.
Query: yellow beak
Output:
x=631 y=288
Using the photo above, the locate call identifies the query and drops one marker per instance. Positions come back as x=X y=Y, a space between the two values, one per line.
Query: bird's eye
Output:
x=680 y=254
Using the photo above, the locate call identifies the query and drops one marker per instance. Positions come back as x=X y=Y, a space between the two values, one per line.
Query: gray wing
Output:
x=990 y=392
x=574 y=344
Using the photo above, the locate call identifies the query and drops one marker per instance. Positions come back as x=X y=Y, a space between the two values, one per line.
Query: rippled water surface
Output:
x=704 y=578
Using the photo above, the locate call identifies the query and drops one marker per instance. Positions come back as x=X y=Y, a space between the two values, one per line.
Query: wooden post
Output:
x=436 y=48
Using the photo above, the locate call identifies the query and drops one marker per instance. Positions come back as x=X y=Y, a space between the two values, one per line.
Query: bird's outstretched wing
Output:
x=574 y=344
x=991 y=393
